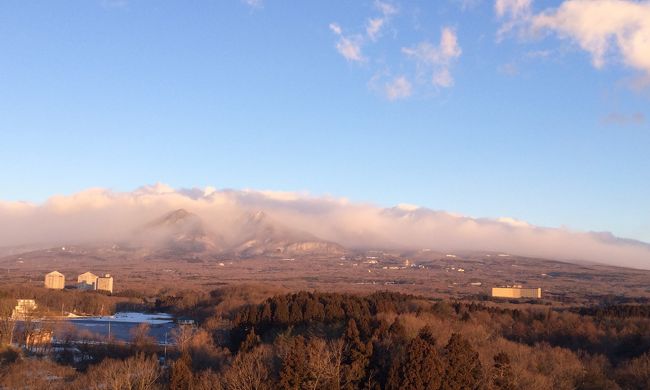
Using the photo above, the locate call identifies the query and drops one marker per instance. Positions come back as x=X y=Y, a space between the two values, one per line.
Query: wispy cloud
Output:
x=387 y=9
x=515 y=9
x=433 y=62
x=468 y=4
x=114 y=3
x=509 y=69
x=513 y=14
x=620 y=119
x=254 y=3
x=375 y=25
x=398 y=88
x=437 y=59
x=348 y=46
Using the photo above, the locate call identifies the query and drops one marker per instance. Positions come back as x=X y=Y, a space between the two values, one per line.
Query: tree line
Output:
x=384 y=340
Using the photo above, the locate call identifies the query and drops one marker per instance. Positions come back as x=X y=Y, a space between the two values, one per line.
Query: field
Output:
x=468 y=275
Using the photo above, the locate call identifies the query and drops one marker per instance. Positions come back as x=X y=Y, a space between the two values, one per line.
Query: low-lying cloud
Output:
x=100 y=215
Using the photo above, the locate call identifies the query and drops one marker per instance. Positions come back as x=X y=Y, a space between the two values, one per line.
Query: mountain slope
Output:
x=179 y=232
x=260 y=235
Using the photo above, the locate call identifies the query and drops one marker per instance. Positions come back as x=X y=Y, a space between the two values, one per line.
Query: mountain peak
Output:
x=175 y=217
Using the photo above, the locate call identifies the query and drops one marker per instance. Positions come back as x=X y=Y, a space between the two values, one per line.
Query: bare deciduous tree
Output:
x=324 y=364
x=7 y=323
x=249 y=371
x=136 y=373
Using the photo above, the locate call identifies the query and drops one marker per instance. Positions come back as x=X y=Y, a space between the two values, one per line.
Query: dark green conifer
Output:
x=463 y=367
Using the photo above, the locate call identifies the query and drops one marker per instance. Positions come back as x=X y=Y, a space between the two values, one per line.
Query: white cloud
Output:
x=433 y=62
x=376 y=24
x=512 y=8
x=99 y=215
x=348 y=46
x=513 y=222
x=513 y=13
x=336 y=28
x=437 y=59
x=350 y=49
x=449 y=44
x=603 y=26
x=386 y=9
x=607 y=29
x=398 y=88
x=373 y=27
x=254 y=3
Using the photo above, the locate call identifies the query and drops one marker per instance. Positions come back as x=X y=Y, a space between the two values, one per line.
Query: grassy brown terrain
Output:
x=425 y=273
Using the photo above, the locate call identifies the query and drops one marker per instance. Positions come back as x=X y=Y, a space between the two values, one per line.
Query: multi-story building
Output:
x=105 y=283
x=55 y=280
x=87 y=281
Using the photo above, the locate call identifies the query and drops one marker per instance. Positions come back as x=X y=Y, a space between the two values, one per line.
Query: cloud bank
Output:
x=100 y=215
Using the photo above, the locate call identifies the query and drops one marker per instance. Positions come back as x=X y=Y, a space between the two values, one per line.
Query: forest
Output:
x=249 y=337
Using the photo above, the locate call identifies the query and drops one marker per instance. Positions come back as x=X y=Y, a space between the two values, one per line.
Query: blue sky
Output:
x=505 y=111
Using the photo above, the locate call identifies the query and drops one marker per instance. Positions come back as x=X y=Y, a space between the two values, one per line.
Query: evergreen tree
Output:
x=463 y=367
x=265 y=316
x=356 y=357
x=281 y=312
x=294 y=365
x=295 y=313
x=251 y=341
x=420 y=368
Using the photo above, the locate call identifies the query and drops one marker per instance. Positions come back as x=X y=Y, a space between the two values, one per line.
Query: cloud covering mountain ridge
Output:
x=100 y=215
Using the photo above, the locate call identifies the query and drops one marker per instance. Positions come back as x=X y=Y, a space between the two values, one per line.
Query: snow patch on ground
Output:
x=135 y=317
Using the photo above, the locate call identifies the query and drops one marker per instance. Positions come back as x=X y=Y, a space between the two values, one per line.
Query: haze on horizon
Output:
x=537 y=111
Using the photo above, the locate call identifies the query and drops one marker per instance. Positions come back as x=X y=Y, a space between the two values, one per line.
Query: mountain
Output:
x=262 y=236
x=209 y=221
x=178 y=232
x=182 y=233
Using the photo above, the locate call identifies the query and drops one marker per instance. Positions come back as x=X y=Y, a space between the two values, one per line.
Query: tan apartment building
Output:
x=87 y=281
x=516 y=292
x=105 y=283
x=55 y=280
